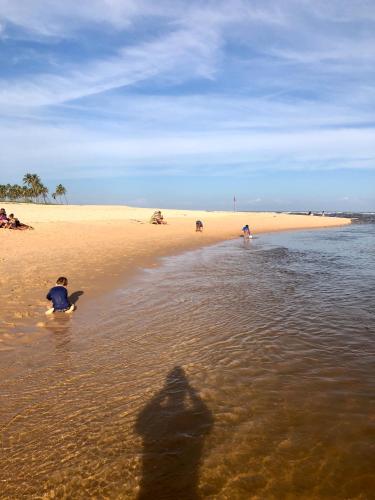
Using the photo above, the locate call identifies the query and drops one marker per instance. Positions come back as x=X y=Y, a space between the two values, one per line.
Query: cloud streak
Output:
x=79 y=148
x=183 y=53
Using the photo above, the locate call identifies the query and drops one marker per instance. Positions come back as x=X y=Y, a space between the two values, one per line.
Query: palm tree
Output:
x=43 y=191
x=34 y=182
x=3 y=192
x=15 y=192
x=26 y=194
x=60 y=191
x=32 y=189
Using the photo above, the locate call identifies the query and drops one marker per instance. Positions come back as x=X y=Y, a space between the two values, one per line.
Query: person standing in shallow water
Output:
x=173 y=425
x=246 y=232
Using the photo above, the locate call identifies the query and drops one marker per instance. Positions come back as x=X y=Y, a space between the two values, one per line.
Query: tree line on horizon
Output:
x=32 y=190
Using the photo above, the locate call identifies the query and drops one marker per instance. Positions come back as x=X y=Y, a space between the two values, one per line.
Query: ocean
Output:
x=240 y=370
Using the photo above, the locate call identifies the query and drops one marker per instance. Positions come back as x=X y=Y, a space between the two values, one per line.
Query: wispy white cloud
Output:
x=341 y=11
x=50 y=18
x=191 y=47
x=78 y=148
x=64 y=19
x=181 y=55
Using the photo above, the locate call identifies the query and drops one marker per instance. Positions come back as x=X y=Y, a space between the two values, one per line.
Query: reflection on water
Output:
x=229 y=372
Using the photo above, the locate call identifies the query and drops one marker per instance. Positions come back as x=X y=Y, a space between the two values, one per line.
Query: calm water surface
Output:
x=232 y=372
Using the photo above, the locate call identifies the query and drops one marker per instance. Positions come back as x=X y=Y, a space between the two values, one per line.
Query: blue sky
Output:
x=185 y=104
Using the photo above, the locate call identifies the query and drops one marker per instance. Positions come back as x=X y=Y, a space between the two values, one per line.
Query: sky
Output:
x=187 y=103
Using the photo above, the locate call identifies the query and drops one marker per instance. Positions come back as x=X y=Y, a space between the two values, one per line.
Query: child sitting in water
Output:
x=59 y=297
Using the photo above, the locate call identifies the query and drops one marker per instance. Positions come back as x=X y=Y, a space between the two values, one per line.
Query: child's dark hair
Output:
x=62 y=281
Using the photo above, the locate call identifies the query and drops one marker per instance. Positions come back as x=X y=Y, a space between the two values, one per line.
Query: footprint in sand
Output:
x=21 y=315
x=9 y=324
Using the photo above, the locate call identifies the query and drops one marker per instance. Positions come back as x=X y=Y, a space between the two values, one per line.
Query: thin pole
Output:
x=234 y=203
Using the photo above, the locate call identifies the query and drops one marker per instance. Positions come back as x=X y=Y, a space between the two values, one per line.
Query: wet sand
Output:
x=96 y=247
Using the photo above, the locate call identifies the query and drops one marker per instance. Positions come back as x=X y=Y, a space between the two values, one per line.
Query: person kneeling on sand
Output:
x=199 y=226
x=157 y=218
x=59 y=297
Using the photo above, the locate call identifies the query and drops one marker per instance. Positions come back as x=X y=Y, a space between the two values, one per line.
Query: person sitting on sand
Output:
x=14 y=223
x=199 y=226
x=157 y=218
x=3 y=217
x=58 y=295
x=246 y=232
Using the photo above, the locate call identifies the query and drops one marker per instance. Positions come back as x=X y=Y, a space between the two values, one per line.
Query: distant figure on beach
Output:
x=199 y=226
x=157 y=218
x=58 y=295
x=323 y=214
x=310 y=213
x=246 y=232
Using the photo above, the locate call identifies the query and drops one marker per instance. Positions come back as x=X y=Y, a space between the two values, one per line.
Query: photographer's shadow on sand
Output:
x=173 y=425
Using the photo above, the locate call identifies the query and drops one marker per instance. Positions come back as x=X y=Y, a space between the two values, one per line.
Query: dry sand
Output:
x=97 y=246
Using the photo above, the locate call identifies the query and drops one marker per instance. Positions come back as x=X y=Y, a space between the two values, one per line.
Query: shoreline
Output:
x=99 y=247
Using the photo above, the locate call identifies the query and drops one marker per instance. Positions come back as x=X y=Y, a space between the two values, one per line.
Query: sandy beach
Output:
x=98 y=246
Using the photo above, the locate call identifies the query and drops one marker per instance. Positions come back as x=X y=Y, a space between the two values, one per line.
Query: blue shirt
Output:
x=59 y=296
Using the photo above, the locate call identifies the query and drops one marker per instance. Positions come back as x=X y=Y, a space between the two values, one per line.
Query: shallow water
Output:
x=242 y=370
